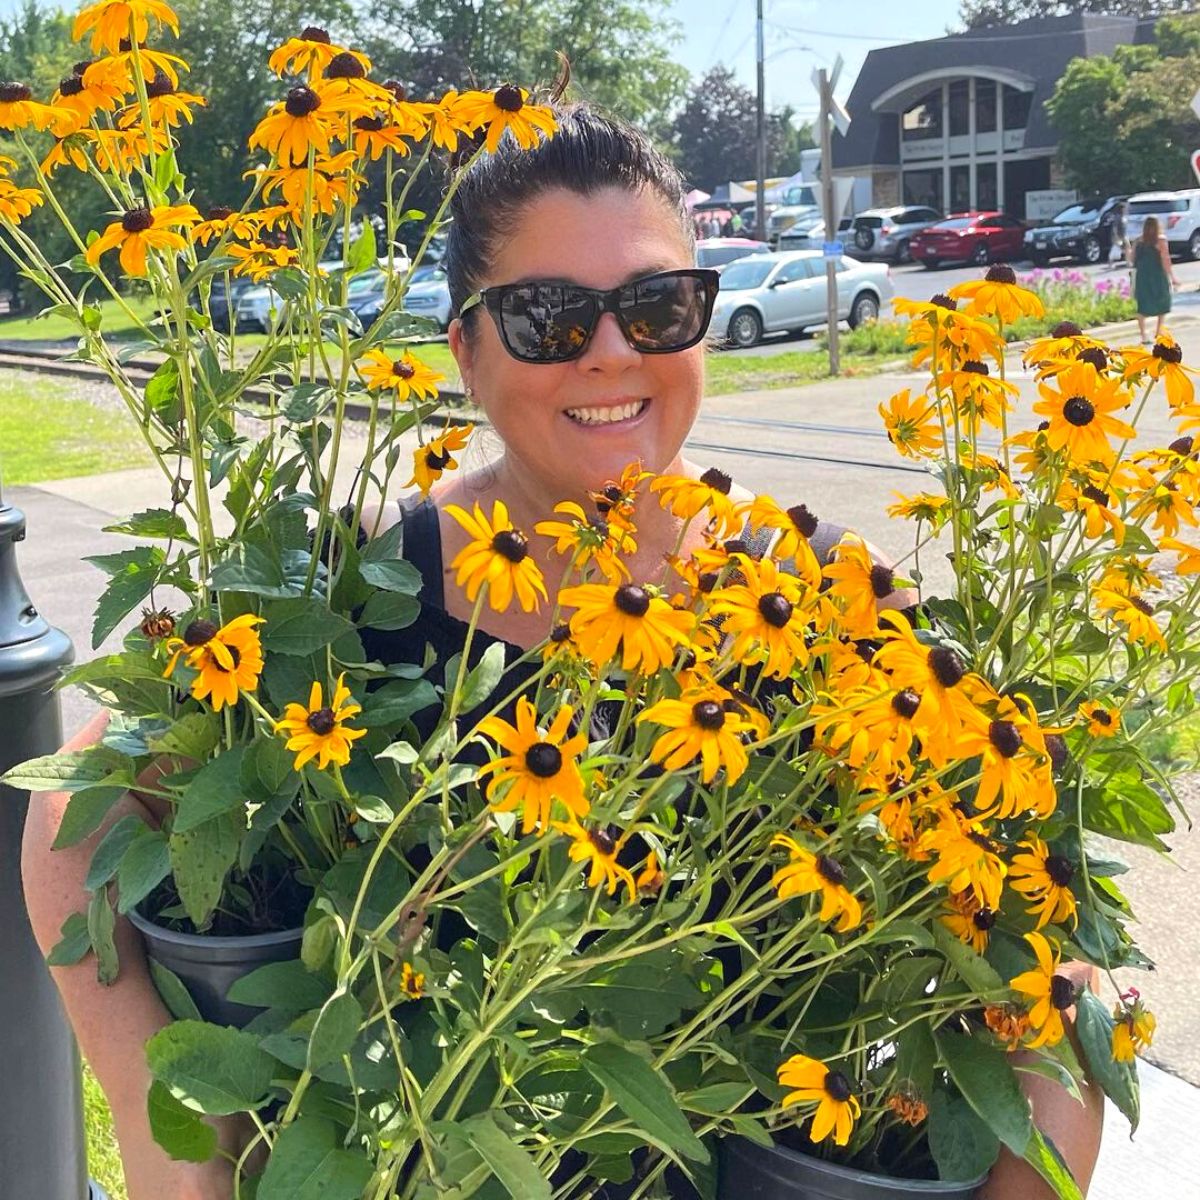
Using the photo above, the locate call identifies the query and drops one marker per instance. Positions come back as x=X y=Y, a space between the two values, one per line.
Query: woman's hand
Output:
x=180 y=1181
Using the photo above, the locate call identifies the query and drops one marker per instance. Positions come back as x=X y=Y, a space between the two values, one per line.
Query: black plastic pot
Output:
x=209 y=965
x=752 y=1172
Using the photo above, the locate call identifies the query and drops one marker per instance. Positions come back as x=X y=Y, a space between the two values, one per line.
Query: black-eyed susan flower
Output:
x=1095 y=507
x=1103 y=721
x=1134 y=1027
x=436 y=457
x=446 y=120
x=590 y=541
x=108 y=21
x=227 y=660
x=1164 y=360
x=1009 y=1023
x=508 y=108
x=117 y=71
x=498 y=555
x=221 y=221
x=806 y=873
x=944 y=337
x=1188 y=562
x=537 y=768
x=1052 y=994
x=319 y=730
x=617 y=500
x=766 y=613
x=1079 y=404
x=651 y=877
x=968 y=920
x=1165 y=503
x=407 y=375
x=344 y=81
x=412 y=983
x=167 y=105
x=373 y=135
x=303 y=120
x=907 y=1107
x=73 y=96
x=979 y=397
x=998 y=295
x=1044 y=878
x=332 y=182
x=811 y=1082
x=705 y=723
x=685 y=498
x=598 y=847
x=867 y=724
x=121 y=151
x=18 y=110
x=924 y=506
x=69 y=151
x=857 y=584
x=16 y=203
x=988 y=472
x=259 y=261
x=794 y=527
x=628 y=621
x=966 y=857
x=1128 y=574
x=912 y=425
x=1134 y=612
x=1066 y=341
x=308 y=53
x=143 y=229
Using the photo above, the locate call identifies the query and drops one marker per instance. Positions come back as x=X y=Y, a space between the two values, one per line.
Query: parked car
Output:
x=428 y=295
x=1178 y=216
x=219 y=300
x=809 y=234
x=974 y=237
x=1082 y=231
x=770 y=293
x=718 y=252
x=888 y=232
x=799 y=201
x=255 y=305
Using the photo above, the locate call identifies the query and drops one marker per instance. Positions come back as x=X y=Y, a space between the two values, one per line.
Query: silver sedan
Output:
x=772 y=293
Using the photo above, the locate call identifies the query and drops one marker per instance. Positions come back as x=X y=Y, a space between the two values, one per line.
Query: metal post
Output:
x=760 y=202
x=42 y=1148
x=831 y=218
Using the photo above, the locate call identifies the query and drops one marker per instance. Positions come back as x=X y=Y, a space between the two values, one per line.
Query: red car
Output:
x=975 y=237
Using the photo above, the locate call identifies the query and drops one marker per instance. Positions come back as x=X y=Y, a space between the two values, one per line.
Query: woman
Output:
x=1153 y=278
x=581 y=339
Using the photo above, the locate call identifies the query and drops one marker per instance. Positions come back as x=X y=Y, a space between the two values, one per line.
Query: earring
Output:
x=470 y=392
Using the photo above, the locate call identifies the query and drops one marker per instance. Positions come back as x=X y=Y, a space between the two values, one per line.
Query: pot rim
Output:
x=248 y=941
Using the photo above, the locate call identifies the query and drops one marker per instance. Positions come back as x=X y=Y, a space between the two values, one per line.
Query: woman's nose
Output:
x=608 y=350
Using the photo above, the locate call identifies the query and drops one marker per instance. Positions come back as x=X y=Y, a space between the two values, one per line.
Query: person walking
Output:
x=1153 y=278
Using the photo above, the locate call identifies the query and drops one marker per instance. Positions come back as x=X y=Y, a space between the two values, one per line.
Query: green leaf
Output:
x=392 y=575
x=192 y=736
x=287 y=985
x=363 y=254
x=74 y=942
x=306 y=401
x=644 y=1096
x=335 y=1030
x=1043 y=1155
x=214 y=790
x=509 y=1162
x=218 y=1069
x=301 y=626
x=179 y=1130
x=85 y=813
x=1094 y=1025
x=962 y=1145
x=132 y=575
x=389 y=610
x=174 y=993
x=69 y=771
x=101 y=922
x=267 y=770
x=108 y=854
x=481 y=679
x=1129 y=809
x=975 y=971
x=153 y=523
x=642 y=998
x=396 y=701
x=988 y=1083
x=252 y=570
x=144 y=866
x=162 y=393
x=308 y=1163
x=200 y=860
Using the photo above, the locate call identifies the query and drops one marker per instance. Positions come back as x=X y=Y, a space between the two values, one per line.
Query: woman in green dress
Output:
x=1153 y=278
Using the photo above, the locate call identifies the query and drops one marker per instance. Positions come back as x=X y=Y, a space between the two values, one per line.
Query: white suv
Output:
x=1178 y=216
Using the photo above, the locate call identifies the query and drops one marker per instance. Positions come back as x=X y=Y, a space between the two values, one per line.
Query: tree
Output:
x=1124 y=121
x=715 y=134
x=984 y=14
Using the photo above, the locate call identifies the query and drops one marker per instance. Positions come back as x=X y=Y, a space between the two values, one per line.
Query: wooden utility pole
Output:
x=827 y=203
x=760 y=203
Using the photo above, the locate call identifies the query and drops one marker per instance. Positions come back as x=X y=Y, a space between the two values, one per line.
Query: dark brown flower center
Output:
x=11 y=93
x=345 y=66
x=220 y=212
x=199 y=632
x=831 y=870
x=803 y=520
x=1056 y=747
x=71 y=86
x=403 y=369
x=1097 y=356
x=543 y=760
x=708 y=580
x=397 y=89
x=708 y=714
x=560 y=633
x=234 y=653
x=1079 y=411
x=1059 y=869
x=1001 y=274
x=1168 y=354
x=883 y=581
x=1006 y=737
x=906 y=703
x=511 y=544
x=1143 y=606
x=1062 y=992
x=1181 y=445
x=735 y=546
x=1066 y=329
x=80 y=67
x=632 y=600
x=436 y=461
x=322 y=721
x=314 y=33
x=301 y=102
x=717 y=480
x=1103 y=716
x=368 y=124
x=984 y=919
x=941 y=300
x=838 y=1086
x=974 y=367
x=1095 y=495
x=160 y=85
x=509 y=98
x=946 y=666
x=775 y=609
x=137 y=220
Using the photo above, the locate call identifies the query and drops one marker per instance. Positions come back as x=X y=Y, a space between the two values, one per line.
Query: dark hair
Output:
x=591 y=150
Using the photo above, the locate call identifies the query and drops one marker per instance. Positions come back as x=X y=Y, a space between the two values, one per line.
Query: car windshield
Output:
x=1172 y=204
x=744 y=274
x=1076 y=214
x=367 y=282
x=425 y=274
x=954 y=223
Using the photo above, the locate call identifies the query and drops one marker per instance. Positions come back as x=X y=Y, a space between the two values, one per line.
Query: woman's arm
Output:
x=1164 y=253
x=112 y=1023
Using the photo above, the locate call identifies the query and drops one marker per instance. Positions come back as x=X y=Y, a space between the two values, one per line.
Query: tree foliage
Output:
x=715 y=135
x=1124 y=120
x=984 y=14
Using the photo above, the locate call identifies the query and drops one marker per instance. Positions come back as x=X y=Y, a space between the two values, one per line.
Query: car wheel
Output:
x=865 y=308
x=745 y=328
x=981 y=256
x=864 y=238
x=1193 y=246
x=930 y=264
x=1093 y=251
x=1040 y=260
x=903 y=254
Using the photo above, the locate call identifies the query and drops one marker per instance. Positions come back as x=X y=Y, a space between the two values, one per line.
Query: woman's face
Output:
x=598 y=241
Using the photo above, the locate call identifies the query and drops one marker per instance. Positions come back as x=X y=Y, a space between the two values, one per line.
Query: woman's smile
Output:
x=610 y=415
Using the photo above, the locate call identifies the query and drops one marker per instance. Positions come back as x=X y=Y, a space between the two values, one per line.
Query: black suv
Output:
x=1083 y=231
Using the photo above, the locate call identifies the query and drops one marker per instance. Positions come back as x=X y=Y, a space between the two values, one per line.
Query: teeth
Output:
x=606 y=416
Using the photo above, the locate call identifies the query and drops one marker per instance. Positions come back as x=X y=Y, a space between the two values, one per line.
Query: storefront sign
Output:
x=1041 y=206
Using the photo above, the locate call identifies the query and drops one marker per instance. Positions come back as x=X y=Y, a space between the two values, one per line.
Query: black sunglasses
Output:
x=547 y=322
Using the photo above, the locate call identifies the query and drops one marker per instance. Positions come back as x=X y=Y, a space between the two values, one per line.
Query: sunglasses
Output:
x=547 y=322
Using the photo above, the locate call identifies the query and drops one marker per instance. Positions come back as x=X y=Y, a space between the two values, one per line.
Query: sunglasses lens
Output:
x=665 y=312
x=545 y=322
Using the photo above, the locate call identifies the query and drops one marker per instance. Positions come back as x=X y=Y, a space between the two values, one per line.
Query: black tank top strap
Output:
x=422 y=546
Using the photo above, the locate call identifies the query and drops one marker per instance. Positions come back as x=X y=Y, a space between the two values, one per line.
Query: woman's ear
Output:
x=460 y=347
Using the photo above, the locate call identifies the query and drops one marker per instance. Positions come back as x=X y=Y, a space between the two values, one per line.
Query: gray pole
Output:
x=760 y=205
x=827 y=203
x=42 y=1149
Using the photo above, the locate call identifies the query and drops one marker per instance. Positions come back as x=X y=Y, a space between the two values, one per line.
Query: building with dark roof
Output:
x=960 y=122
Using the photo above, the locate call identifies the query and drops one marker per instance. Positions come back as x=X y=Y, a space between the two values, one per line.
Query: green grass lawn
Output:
x=104 y=1163
x=114 y=322
x=47 y=432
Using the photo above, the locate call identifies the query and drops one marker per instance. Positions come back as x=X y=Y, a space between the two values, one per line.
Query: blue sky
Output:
x=723 y=31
